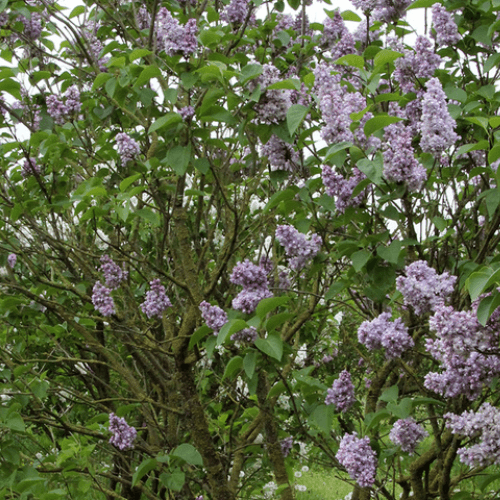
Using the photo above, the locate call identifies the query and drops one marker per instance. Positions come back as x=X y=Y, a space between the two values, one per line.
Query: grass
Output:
x=321 y=485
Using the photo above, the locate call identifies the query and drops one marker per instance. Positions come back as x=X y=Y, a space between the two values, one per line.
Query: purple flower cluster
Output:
x=32 y=26
x=63 y=110
x=484 y=424
x=357 y=456
x=128 y=148
x=415 y=65
x=11 y=260
x=382 y=332
x=286 y=446
x=30 y=168
x=255 y=285
x=438 y=127
x=298 y=246
x=458 y=345
x=423 y=288
x=156 y=300
x=444 y=26
x=342 y=392
x=406 y=433
x=123 y=434
x=365 y=5
x=273 y=104
x=337 y=37
x=187 y=112
x=281 y=155
x=248 y=335
x=142 y=18
x=400 y=164
x=174 y=38
x=391 y=11
x=342 y=189
x=237 y=11
x=95 y=46
x=214 y=316
x=113 y=274
x=102 y=300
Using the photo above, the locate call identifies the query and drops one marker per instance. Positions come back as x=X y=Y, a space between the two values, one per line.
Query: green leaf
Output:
x=178 y=158
x=164 y=121
x=290 y=84
x=475 y=146
x=373 y=419
x=277 y=320
x=494 y=121
x=250 y=72
x=173 y=481
x=11 y=86
x=349 y=15
x=272 y=346
x=494 y=154
x=276 y=390
x=267 y=305
x=198 y=335
x=359 y=259
x=336 y=148
x=401 y=410
x=100 y=80
x=280 y=196
x=351 y=60
x=390 y=253
x=322 y=416
x=378 y=122
x=146 y=74
x=487 y=307
x=249 y=363
x=138 y=53
x=386 y=56
x=478 y=120
x=232 y=326
x=294 y=117
x=144 y=467
x=426 y=401
x=234 y=366
x=455 y=93
x=148 y=215
x=476 y=283
x=15 y=423
x=421 y=4
x=188 y=453
x=202 y=165
x=128 y=182
x=77 y=11
x=372 y=169
x=391 y=394
x=487 y=480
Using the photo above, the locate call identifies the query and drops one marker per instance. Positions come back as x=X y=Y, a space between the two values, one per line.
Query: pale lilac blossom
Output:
x=297 y=246
x=114 y=275
x=102 y=300
x=156 y=300
x=341 y=394
x=406 y=433
x=128 y=148
x=446 y=31
x=11 y=260
x=359 y=459
x=214 y=316
x=123 y=434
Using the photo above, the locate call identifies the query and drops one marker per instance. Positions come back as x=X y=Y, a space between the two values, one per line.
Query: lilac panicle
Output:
x=357 y=456
x=173 y=37
x=340 y=188
x=438 y=127
x=406 y=433
x=102 y=300
x=249 y=335
x=237 y=11
x=248 y=300
x=11 y=260
x=128 y=148
x=114 y=275
x=214 y=316
x=444 y=26
x=423 y=288
x=65 y=109
x=156 y=300
x=483 y=424
x=281 y=155
x=187 y=112
x=123 y=434
x=298 y=246
x=286 y=446
x=341 y=395
x=382 y=332
x=391 y=11
x=400 y=164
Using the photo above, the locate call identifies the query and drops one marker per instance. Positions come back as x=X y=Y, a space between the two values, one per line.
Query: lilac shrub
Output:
x=382 y=332
x=156 y=300
x=298 y=246
x=438 y=127
x=123 y=434
x=102 y=300
x=341 y=395
x=406 y=434
x=359 y=459
x=423 y=289
x=483 y=424
x=214 y=316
